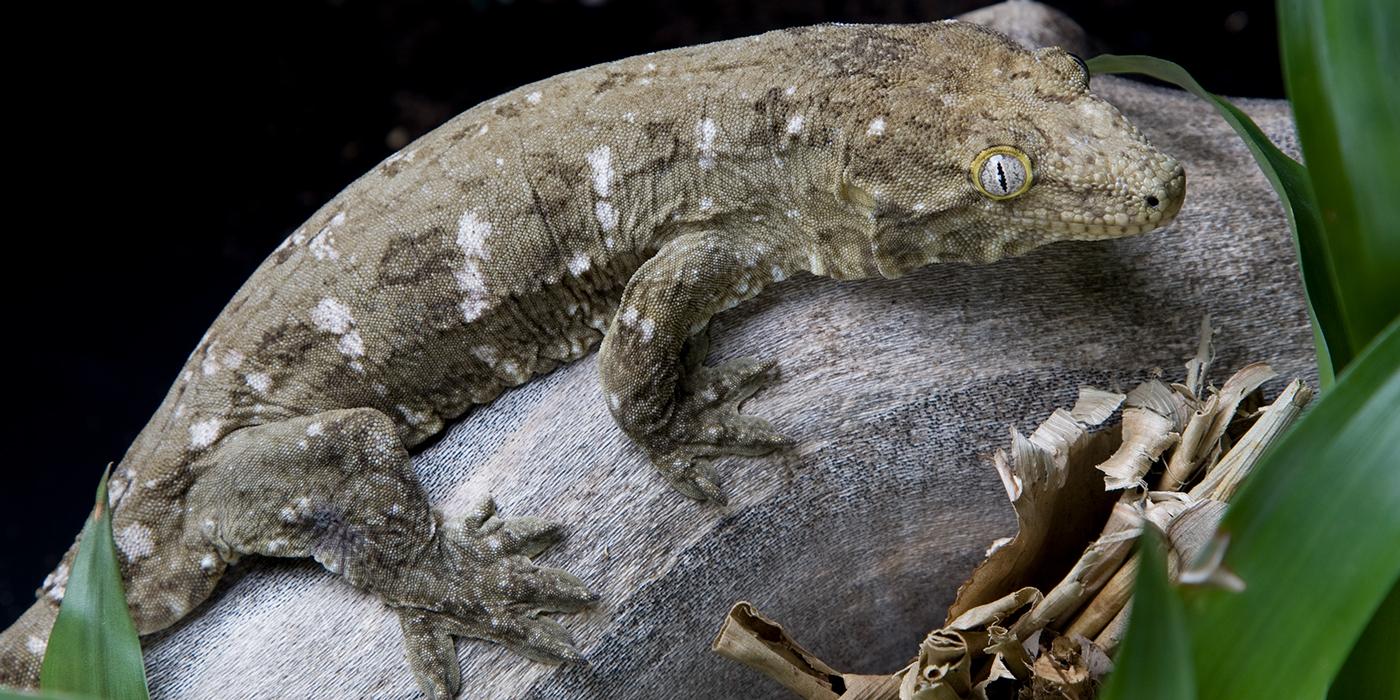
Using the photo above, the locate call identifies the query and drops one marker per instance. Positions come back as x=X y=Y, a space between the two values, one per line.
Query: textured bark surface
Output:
x=897 y=391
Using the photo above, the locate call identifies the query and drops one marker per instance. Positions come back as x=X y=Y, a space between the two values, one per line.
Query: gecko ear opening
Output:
x=898 y=250
x=886 y=253
x=895 y=250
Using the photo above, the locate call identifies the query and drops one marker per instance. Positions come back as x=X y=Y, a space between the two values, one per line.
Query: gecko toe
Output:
x=432 y=655
x=526 y=536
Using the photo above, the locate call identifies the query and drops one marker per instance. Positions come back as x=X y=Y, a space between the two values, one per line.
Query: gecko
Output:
x=617 y=207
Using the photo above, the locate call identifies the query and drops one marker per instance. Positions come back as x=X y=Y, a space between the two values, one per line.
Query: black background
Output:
x=159 y=153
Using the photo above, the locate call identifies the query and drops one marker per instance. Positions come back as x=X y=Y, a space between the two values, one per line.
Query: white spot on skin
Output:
x=56 y=583
x=135 y=541
x=533 y=98
x=792 y=214
x=607 y=216
x=876 y=128
x=649 y=67
x=707 y=203
x=314 y=429
x=629 y=316
x=332 y=316
x=614 y=402
x=471 y=239
x=486 y=354
x=210 y=365
x=482 y=131
x=400 y=155
x=204 y=433
x=790 y=91
x=647 y=328
x=35 y=645
x=258 y=381
x=233 y=359
x=413 y=417
x=208 y=563
x=794 y=125
x=705 y=133
x=323 y=243
x=778 y=274
x=600 y=162
x=352 y=345
x=579 y=264
x=512 y=371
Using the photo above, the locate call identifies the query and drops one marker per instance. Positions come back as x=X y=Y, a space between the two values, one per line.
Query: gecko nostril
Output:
x=1152 y=201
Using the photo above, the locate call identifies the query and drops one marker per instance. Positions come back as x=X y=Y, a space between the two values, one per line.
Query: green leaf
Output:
x=1373 y=668
x=1155 y=659
x=1295 y=190
x=93 y=649
x=1313 y=534
x=1340 y=60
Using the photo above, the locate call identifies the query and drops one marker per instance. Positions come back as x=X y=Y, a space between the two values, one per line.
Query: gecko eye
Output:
x=1001 y=172
x=1084 y=67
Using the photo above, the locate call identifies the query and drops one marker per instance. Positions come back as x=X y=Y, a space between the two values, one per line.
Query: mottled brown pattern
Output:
x=625 y=203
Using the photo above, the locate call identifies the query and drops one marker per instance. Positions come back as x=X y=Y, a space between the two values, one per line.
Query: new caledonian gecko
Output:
x=625 y=203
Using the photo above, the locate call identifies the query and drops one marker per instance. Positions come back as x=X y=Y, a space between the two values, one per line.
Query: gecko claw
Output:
x=697 y=480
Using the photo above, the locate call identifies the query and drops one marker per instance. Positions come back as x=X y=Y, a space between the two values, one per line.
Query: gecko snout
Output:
x=1165 y=201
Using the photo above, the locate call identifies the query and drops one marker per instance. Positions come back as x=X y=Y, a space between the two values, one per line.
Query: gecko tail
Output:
x=22 y=645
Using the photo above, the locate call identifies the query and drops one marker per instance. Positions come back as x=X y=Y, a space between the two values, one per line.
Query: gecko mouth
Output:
x=1160 y=212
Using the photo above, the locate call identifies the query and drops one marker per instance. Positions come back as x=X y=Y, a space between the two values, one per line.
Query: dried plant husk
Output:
x=1043 y=612
x=1059 y=503
x=1153 y=418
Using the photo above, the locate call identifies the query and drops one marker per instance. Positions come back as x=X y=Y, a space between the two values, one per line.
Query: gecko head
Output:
x=983 y=149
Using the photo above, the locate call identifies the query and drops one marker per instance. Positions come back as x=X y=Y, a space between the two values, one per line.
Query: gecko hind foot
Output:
x=476 y=580
x=707 y=424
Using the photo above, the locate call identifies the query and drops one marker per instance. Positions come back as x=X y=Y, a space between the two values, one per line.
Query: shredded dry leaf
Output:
x=1041 y=616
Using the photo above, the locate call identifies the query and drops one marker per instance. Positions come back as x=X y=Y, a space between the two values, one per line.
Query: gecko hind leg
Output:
x=337 y=487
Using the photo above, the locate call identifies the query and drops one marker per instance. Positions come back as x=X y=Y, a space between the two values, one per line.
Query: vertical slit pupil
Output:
x=1001 y=178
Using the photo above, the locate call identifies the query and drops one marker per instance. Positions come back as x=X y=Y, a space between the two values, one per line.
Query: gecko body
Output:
x=621 y=205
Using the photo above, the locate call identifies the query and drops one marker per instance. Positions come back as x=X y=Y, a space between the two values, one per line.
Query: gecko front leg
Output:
x=337 y=487
x=652 y=360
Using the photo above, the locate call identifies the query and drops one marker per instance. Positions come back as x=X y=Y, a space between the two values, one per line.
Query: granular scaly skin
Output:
x=625 y=203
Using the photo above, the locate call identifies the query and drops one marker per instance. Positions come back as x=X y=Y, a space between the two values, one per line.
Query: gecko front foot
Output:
x=475 y=579
x=706 y=423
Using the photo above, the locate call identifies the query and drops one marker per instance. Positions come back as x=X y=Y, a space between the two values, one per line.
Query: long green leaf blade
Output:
x=1155 y=659
x=1373 y=668
x=94 y=649
x=1340 y=60
x=1291 y=182
x=1314 y=535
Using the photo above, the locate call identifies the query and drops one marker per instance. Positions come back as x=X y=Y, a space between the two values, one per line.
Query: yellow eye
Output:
x=1002 y=172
